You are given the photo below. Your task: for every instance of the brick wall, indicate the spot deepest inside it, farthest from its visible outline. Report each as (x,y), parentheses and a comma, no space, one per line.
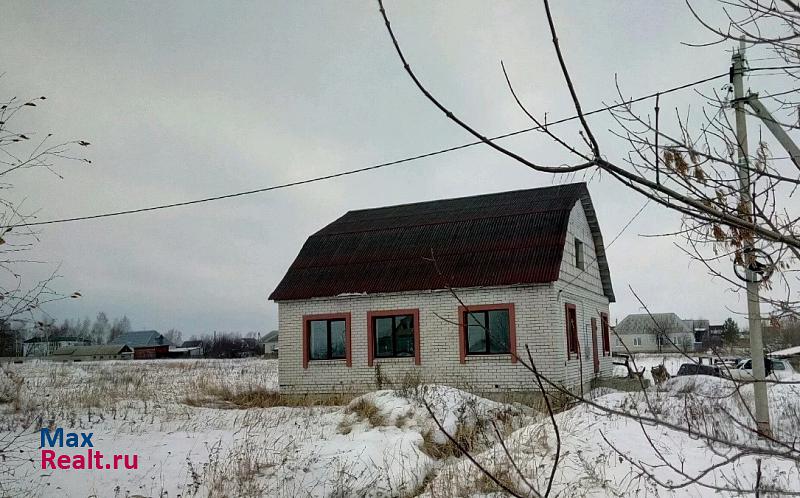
(539,319)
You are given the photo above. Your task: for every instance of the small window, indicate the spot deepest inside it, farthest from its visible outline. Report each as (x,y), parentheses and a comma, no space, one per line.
(778,365)
(487,332)
(605,333)
(579,254)
(394,336)
(637,341)
(572,330)
(326,339)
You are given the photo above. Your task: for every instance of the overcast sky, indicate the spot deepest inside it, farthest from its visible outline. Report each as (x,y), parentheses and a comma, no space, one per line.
(190,99)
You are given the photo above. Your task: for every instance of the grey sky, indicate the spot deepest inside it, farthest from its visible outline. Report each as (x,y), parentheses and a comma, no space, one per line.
(189,99)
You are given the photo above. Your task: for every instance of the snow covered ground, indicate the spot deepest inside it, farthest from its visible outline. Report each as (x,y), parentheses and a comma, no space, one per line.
(672,361)
(181,419)
(215,428)
(606,452)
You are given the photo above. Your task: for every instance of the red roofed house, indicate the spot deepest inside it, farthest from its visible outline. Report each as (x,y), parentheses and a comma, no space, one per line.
(450,291)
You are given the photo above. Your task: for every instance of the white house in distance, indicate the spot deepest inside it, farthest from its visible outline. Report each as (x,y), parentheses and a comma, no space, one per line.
(450,291)
(45,346)
(653,333)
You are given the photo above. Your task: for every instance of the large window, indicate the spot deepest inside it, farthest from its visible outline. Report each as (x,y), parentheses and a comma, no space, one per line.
(327,339)
(487,331)
(572,331)
(393,336)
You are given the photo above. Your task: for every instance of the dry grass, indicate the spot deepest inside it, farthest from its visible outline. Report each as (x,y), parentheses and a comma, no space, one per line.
(223,396)
(467,437)
(366,410)
(10,389)
(484,484)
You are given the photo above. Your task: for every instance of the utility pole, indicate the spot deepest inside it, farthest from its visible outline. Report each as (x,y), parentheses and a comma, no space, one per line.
(753,300)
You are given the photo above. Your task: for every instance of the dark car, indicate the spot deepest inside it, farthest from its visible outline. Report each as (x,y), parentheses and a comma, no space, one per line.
(695,369)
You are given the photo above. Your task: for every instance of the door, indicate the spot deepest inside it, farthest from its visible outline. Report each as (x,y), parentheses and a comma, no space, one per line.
(595,354)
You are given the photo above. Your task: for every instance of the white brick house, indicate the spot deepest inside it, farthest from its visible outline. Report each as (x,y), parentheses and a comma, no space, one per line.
(653,333)
(450,291)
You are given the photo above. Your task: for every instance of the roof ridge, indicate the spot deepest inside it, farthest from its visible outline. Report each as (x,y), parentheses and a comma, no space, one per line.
(479,196)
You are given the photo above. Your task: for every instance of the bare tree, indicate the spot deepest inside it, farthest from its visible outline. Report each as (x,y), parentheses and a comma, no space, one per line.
(173,336)
(22,150)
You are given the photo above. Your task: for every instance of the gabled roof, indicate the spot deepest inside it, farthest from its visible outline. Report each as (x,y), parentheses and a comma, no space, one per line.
(192,344)
(55,338)
(270,336)
(141,338)
(107,349)
(643,323)
(497,239)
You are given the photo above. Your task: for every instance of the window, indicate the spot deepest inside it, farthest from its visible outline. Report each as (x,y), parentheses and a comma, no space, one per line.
(637,341)
(606,334)
(393,334)
(488,332)
(579,254)
(572,330)
(487,329)
(326,337)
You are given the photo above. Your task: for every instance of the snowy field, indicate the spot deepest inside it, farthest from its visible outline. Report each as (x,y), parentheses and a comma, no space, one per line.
(216,428)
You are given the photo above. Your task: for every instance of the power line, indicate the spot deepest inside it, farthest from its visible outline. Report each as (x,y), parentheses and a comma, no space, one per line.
(367,168)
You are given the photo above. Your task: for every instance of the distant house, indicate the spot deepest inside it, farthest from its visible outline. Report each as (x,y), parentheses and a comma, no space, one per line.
(45,346)
(195,347)
(451,291)
(92,353)
(270,344)
(653,333)
(146,344)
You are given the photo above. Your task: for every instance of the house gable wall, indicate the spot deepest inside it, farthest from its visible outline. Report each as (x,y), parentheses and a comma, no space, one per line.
(584,289)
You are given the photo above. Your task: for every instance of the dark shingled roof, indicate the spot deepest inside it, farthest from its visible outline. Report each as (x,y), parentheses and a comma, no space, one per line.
(55,338)
(140,339)
(487,240)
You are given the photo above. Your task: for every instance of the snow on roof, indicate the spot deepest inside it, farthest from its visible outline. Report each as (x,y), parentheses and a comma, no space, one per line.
(787,352)
(100,349)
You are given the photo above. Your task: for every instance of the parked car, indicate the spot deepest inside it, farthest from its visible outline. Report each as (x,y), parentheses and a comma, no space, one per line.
(696,369)
(779,369)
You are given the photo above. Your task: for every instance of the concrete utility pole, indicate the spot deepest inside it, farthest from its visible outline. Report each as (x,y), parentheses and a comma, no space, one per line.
(753,301)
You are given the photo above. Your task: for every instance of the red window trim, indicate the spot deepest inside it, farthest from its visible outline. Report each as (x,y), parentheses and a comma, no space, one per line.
(370,335)
(606,333)
(567,308)
(328,316)
(512,327)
